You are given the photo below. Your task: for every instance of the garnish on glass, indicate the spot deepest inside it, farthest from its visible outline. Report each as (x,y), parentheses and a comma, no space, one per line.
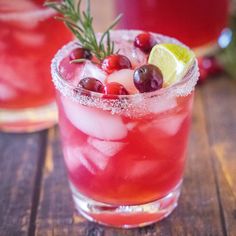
(81,25)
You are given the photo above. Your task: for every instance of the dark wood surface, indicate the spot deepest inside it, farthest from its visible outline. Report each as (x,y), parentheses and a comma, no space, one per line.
(35,198)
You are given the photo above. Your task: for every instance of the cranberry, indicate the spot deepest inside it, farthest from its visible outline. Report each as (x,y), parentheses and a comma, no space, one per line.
(80,53)
(115,62)
(115,88)
(208,66)
(148,78)
(92,84)
(145,42)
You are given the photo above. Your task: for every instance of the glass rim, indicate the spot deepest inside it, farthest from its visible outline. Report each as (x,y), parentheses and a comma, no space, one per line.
(183,87)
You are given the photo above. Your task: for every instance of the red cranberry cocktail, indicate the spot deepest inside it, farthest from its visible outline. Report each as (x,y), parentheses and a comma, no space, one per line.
(124,130)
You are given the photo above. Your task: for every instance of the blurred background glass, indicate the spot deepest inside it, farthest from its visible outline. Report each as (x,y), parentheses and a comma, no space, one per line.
(29,38)
(197,23)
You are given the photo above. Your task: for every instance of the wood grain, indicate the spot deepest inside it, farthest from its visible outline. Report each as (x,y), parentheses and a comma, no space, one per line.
(220,109)
(55,207)
(20,159)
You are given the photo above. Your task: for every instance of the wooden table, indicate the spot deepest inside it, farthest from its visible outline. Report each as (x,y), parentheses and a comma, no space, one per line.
(35,198)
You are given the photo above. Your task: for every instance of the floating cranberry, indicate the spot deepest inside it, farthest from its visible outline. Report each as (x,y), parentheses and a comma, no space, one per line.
(145,42)
(148,78)
(115,62)
(92,84)
(115,88)
(80,53)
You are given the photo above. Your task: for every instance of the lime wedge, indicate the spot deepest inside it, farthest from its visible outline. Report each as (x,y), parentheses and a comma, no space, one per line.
(173,60)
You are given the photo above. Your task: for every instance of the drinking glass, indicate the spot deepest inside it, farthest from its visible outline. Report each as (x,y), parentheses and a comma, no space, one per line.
(29,37)
(125,156)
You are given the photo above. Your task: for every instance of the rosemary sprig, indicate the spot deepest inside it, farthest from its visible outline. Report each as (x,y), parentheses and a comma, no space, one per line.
(81,25)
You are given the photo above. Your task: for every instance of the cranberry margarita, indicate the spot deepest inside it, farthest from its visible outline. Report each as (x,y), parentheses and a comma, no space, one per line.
(124,133)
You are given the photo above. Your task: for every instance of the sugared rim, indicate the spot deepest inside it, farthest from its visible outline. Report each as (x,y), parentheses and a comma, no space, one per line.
(182,88)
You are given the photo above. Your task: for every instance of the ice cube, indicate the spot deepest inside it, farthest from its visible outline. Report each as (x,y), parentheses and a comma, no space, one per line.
(138,169)
(7,92)
(131,125)
(97,160)
(31,20)
(94,122)
(108,148)
(16,6)
(124,77)
(19,74)
(26,15)
(135,55)
(92,70)
(167,125)
(170,125)
(29,38)
(161,104)
(74,158)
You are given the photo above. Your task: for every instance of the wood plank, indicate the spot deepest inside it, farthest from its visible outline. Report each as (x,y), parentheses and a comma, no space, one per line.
(56,206)
(20,158)
(197,214)
(220,108)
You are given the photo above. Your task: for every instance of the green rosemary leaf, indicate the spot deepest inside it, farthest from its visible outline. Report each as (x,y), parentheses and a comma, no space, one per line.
(71,4)
(110,27)
(108,43)
(88,10)
(81,25)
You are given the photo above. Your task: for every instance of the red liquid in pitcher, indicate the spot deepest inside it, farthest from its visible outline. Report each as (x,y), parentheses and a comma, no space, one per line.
(29,37)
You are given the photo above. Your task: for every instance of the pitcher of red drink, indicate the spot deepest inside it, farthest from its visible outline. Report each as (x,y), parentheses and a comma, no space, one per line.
(29,36)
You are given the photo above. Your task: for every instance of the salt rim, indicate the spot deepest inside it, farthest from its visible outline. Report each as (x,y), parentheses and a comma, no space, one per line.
(130,105)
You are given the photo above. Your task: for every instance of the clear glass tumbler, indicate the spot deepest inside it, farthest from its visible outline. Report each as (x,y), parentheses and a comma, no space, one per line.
(125,156)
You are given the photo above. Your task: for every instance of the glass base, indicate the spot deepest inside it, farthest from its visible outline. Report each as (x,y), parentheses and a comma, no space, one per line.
(28,120)
(126,216)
